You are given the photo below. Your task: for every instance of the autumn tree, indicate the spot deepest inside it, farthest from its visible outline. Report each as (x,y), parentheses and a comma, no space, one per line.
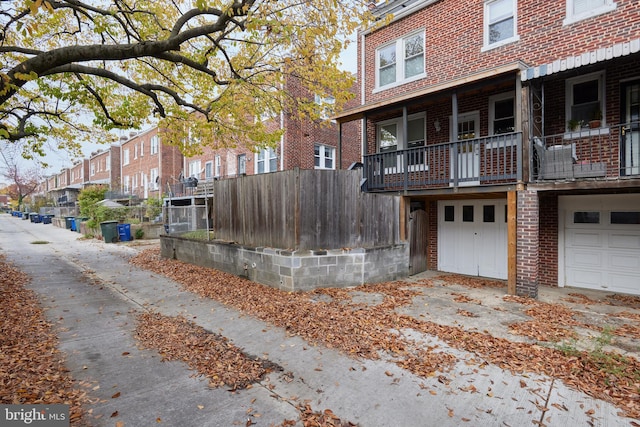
(205,70)
(23,181)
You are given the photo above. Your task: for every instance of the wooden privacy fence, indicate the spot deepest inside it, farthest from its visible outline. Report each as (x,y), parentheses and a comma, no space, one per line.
(304,210)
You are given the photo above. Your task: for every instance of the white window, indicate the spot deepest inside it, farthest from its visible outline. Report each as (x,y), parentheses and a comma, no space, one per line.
(324,156)
(154,179)
(327,104)
(500,23)
(502,114)
(208,171)
(92,170)
(107,163)
(401,61)
(155,141)
(194,169)
(578,10)
(135,151)
(584,100)
(126,183)
(142,149)
(390,138)
(266,161)
(242,164)
(218,170)
(125,156)
(134,181)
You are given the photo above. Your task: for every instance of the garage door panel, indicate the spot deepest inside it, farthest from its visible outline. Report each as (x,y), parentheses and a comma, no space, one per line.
(585,258)
(625,261)
(591,278)
(624,241)
(623,282)
(585,238)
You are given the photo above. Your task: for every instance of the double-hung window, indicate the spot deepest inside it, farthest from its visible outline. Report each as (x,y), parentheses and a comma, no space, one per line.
(502,114)
(500,23)
(125,156)
(218,170)
(400,61)
(578,10)
(267,161)
(324,156)
(585,100)
(208,171)
(155,140)
(390,134)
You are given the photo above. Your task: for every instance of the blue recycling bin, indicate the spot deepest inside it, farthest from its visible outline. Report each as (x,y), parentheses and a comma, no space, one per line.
(124,232)
(46,219)
(72,222)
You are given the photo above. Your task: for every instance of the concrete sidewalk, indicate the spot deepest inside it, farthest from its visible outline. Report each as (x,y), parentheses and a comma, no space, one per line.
(92,295)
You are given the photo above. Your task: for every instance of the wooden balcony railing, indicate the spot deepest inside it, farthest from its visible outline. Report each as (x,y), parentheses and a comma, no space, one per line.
(608,152)
(481,161)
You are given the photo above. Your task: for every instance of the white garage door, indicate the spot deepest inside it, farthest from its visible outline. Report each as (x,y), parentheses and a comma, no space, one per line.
(472,237)
(600,246)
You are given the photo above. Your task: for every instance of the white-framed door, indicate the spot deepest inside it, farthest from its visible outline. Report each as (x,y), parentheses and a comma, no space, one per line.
(465,156)
(472,237)
(599,242)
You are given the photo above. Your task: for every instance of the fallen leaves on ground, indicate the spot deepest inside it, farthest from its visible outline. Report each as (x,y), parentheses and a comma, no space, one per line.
(470,282)
(31,368)
(551,322)
(210,354)
(367,332)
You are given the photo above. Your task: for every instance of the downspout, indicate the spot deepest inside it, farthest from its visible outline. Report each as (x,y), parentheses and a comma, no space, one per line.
(362,70)
(282,140)
(454,137)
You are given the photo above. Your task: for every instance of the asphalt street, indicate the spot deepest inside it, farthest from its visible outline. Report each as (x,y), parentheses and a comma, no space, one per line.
(92,294)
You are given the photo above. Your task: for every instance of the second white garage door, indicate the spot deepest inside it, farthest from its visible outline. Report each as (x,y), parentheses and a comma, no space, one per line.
(472,237)
(600,246)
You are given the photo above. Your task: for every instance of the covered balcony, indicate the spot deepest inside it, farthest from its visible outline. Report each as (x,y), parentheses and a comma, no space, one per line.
(609,153)
(470,162)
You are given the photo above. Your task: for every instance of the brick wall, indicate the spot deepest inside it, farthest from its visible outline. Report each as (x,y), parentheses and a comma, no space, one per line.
(528,231)
(454,39)
(548,274)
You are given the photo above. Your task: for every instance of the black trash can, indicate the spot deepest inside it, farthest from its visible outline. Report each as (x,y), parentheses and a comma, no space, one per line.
(109,231)
(46,219)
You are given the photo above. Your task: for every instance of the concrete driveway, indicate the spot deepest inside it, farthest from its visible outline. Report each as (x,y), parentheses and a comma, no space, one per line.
(92,294)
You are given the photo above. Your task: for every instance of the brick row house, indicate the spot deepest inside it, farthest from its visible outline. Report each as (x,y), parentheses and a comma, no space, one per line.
(511,130)
(305,144)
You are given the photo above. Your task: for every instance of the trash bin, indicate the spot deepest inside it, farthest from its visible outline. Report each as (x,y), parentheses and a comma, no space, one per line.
(67,222)
(109,231)
(25,216)
(46,219)
(73,224)
(34,217)
(124,232)
(80,219)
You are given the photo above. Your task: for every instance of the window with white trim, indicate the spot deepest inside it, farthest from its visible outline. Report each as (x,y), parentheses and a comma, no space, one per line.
(502,114)
(142,149)
(400,61)
(577,10)
(500,23)
(107,163)
(125,156)
(155,142)
(218,170)
(390,138)
(194,169)
(208,171)
(242,164)
(266,161)
(324,156)
(154,179)
(126,183)
(135,151)
(584,99)
(327,103)
(92,170)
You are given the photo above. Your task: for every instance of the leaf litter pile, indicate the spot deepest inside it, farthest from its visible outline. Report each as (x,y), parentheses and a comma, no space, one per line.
(367,331)
(31,368)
